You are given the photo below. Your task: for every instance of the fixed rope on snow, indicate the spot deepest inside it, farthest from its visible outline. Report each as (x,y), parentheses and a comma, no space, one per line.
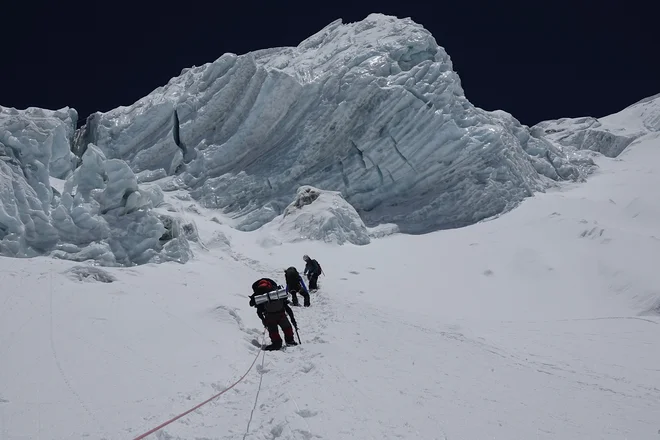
(256,398)
(173,419)
(278,294)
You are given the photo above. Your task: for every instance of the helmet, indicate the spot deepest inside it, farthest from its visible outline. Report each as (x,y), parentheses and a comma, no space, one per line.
(306,257)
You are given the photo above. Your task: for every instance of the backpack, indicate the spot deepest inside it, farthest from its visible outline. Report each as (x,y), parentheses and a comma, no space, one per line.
(263,285)
(318,267)
(292,276)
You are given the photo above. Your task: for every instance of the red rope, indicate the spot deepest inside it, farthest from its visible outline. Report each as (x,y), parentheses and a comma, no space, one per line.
(162,425)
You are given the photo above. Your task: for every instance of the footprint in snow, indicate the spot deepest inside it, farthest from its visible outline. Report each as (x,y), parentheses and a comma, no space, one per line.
(306,413)
(307,368)
(306,435)
(354,272)
(277,430)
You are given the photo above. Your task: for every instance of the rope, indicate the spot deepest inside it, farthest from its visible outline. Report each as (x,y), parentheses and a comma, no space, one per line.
(162,425)
(261,378)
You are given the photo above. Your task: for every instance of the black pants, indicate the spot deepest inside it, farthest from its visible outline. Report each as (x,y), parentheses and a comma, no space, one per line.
(294,297)
(313,279)
(272,321)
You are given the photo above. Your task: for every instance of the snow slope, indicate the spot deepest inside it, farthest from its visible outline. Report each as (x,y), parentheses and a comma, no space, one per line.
(609,135)
(542,323)
(372,109)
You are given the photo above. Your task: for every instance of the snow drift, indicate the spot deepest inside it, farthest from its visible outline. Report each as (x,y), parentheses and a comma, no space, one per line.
(319,215)
(371,109)
(609,135)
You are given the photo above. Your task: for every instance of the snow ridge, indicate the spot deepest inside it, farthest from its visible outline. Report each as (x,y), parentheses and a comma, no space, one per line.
(609,135)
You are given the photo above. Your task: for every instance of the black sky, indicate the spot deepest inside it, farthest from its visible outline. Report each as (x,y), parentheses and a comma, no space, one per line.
(536,60)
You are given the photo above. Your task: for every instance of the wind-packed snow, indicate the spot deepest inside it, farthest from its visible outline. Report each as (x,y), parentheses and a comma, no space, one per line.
(609,135)
(643,116)
(52,202)
(540,324)
(372,109)
(317,215)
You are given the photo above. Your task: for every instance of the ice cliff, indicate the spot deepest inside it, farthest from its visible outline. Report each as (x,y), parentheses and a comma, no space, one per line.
(100,214)
(371,109)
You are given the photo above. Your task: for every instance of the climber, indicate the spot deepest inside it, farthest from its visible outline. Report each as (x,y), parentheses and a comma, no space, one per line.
(272,307)
(295,285)
(313,271)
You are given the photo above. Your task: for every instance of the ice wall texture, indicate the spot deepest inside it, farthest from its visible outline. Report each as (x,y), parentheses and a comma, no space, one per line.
(372,109)
(101,213)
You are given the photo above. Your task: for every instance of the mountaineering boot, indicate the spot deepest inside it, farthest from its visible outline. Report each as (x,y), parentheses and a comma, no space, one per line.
(307,301)
(288,336)
(273,346)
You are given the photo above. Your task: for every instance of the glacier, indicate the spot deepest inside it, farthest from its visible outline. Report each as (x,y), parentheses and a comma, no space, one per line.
(371,109)
(369,114)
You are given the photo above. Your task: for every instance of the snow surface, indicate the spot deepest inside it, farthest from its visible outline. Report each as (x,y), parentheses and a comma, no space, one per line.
(609,135)
(539,324)
(317,215)
(372,109)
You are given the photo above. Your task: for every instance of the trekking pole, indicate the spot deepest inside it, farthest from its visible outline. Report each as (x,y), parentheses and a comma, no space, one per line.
(298,335)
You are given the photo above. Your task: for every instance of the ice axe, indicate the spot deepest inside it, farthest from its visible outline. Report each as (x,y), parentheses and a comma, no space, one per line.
(295,326)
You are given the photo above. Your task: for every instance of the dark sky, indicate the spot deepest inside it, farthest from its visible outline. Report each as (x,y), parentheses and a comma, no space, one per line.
(536,60)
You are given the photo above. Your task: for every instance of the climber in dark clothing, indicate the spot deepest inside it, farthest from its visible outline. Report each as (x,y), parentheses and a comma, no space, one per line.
(313,271)
(272,307)
(295,285)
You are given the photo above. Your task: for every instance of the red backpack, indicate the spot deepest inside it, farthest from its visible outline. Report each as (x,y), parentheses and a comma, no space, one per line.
(263,285)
